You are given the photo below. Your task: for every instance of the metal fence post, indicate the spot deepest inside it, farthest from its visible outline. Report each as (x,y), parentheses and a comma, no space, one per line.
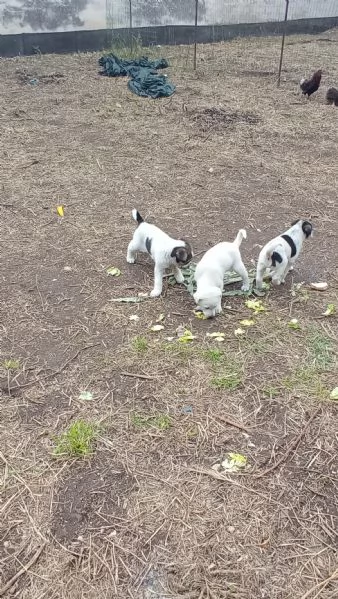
(283,42)
(131,26)
(196,24)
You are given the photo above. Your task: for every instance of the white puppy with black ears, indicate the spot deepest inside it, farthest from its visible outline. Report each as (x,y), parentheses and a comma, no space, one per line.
(210,271)
(164,250)
(279,254)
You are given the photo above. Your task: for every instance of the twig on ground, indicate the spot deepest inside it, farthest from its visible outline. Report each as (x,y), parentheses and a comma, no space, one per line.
(233,423)
(56,372)
(291,447)
(23,570)
(320,585)
(221,477)
(136,375)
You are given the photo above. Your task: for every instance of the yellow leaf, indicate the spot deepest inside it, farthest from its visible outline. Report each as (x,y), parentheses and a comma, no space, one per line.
(215,335)
(334,393)
(247,323)
(200,315)
(239,332)
(157,327)
(233,462)
(255,305)
(59,210)
(239,459)
(186,336)
(113,271)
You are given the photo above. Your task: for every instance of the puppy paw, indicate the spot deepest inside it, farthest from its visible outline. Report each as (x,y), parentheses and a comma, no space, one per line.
(276,281)
(179,278)
(155,293)
(130,260)
(245,287)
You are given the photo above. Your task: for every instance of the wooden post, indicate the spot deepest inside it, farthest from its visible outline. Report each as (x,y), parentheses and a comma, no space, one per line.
(283,42)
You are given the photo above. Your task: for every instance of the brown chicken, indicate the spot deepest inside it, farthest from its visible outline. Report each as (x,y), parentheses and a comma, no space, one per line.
(310,86)
(332,96)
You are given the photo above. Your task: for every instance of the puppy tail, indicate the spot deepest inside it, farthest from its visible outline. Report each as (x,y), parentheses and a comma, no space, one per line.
(137,216)
(240,236)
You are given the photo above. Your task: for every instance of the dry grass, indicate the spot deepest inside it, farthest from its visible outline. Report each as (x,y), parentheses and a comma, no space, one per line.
(145,515)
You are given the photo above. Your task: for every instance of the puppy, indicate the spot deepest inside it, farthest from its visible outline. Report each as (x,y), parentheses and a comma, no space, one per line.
(210,271)
(165,251)
(281,252)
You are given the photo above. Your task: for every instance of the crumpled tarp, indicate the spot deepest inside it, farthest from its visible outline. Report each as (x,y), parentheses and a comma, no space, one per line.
(144,79)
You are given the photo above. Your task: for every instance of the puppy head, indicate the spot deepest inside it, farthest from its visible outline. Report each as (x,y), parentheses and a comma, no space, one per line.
(208,301)
(182,254)
(306,227)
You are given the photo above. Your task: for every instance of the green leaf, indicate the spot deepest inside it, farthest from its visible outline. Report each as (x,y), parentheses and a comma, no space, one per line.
(86,396)
(331,309)
(294,324)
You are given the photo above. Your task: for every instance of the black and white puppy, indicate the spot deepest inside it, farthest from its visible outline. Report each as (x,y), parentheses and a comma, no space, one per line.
(279,254)
(164,250)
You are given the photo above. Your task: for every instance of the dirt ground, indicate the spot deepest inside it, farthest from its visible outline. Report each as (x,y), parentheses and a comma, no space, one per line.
(145,514)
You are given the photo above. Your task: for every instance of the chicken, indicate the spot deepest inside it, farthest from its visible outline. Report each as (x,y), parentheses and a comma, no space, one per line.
(310,86)
(332,96)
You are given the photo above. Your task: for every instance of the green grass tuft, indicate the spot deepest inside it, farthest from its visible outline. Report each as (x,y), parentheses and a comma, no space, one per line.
(140,344)
(306,381)
(77,441)
(159,421)
(131,48)
(11,364)
(321,349)
(270,391)
(229,381)
(214,356)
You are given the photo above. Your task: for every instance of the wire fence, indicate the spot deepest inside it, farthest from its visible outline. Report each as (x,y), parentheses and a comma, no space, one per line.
(189,23)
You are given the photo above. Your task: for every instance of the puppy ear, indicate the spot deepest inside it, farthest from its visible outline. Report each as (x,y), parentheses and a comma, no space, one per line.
(181,254)
(307,228)
(188,248)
